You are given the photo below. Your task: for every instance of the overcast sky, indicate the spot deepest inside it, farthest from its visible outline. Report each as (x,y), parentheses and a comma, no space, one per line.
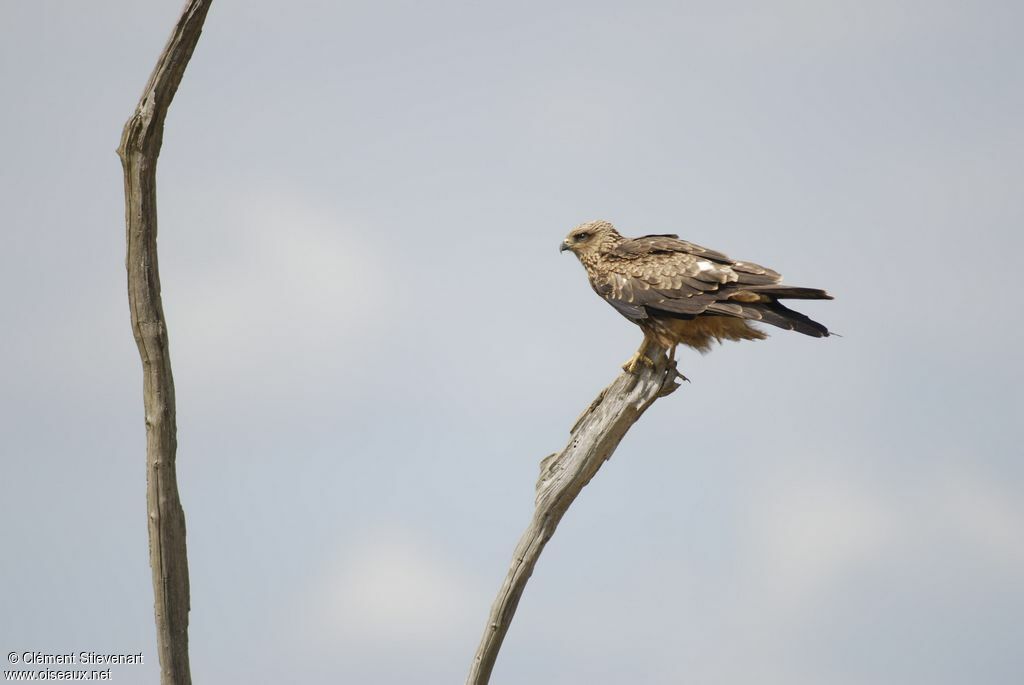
(375,339)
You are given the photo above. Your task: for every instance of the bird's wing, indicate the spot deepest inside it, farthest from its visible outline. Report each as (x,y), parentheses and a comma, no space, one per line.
(664,273)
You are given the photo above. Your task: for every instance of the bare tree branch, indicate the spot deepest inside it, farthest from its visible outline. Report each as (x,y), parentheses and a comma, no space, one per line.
(593,438)
(139,149)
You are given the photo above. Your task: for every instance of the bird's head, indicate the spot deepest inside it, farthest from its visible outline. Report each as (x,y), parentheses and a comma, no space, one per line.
(590,238)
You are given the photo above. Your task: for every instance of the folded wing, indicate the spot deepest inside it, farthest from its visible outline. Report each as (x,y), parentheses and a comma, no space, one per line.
(661,275)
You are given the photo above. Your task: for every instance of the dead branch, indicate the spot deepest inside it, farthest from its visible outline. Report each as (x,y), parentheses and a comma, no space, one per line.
(593,438)
(139,149)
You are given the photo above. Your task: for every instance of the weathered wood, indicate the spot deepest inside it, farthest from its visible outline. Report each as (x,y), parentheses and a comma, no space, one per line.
(139,149)
(593,438)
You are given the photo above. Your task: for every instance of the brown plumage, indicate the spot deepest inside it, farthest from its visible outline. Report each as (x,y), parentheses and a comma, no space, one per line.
(681,293)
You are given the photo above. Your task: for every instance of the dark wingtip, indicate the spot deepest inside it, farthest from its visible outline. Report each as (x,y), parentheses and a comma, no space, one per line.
(782,316)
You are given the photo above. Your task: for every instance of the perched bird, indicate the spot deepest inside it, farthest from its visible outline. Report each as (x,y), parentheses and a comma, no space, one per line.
(681,293)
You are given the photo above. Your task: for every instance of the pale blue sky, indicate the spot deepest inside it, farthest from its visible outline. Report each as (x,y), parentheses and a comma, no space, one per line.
(375,339)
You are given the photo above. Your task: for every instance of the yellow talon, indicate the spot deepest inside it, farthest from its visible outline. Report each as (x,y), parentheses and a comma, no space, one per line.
(636,362)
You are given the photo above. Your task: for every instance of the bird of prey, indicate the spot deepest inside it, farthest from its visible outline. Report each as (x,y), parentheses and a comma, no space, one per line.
(681,293)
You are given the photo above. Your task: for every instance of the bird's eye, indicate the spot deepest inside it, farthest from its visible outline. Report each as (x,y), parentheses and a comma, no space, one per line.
(581,236)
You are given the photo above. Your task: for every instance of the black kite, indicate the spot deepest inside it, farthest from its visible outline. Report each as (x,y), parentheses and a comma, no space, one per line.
(681,293)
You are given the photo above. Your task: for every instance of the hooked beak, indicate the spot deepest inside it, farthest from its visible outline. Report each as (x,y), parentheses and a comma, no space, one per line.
(563,247)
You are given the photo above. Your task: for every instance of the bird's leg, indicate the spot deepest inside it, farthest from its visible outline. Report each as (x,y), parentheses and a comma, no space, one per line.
(640,358)
(672,364)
